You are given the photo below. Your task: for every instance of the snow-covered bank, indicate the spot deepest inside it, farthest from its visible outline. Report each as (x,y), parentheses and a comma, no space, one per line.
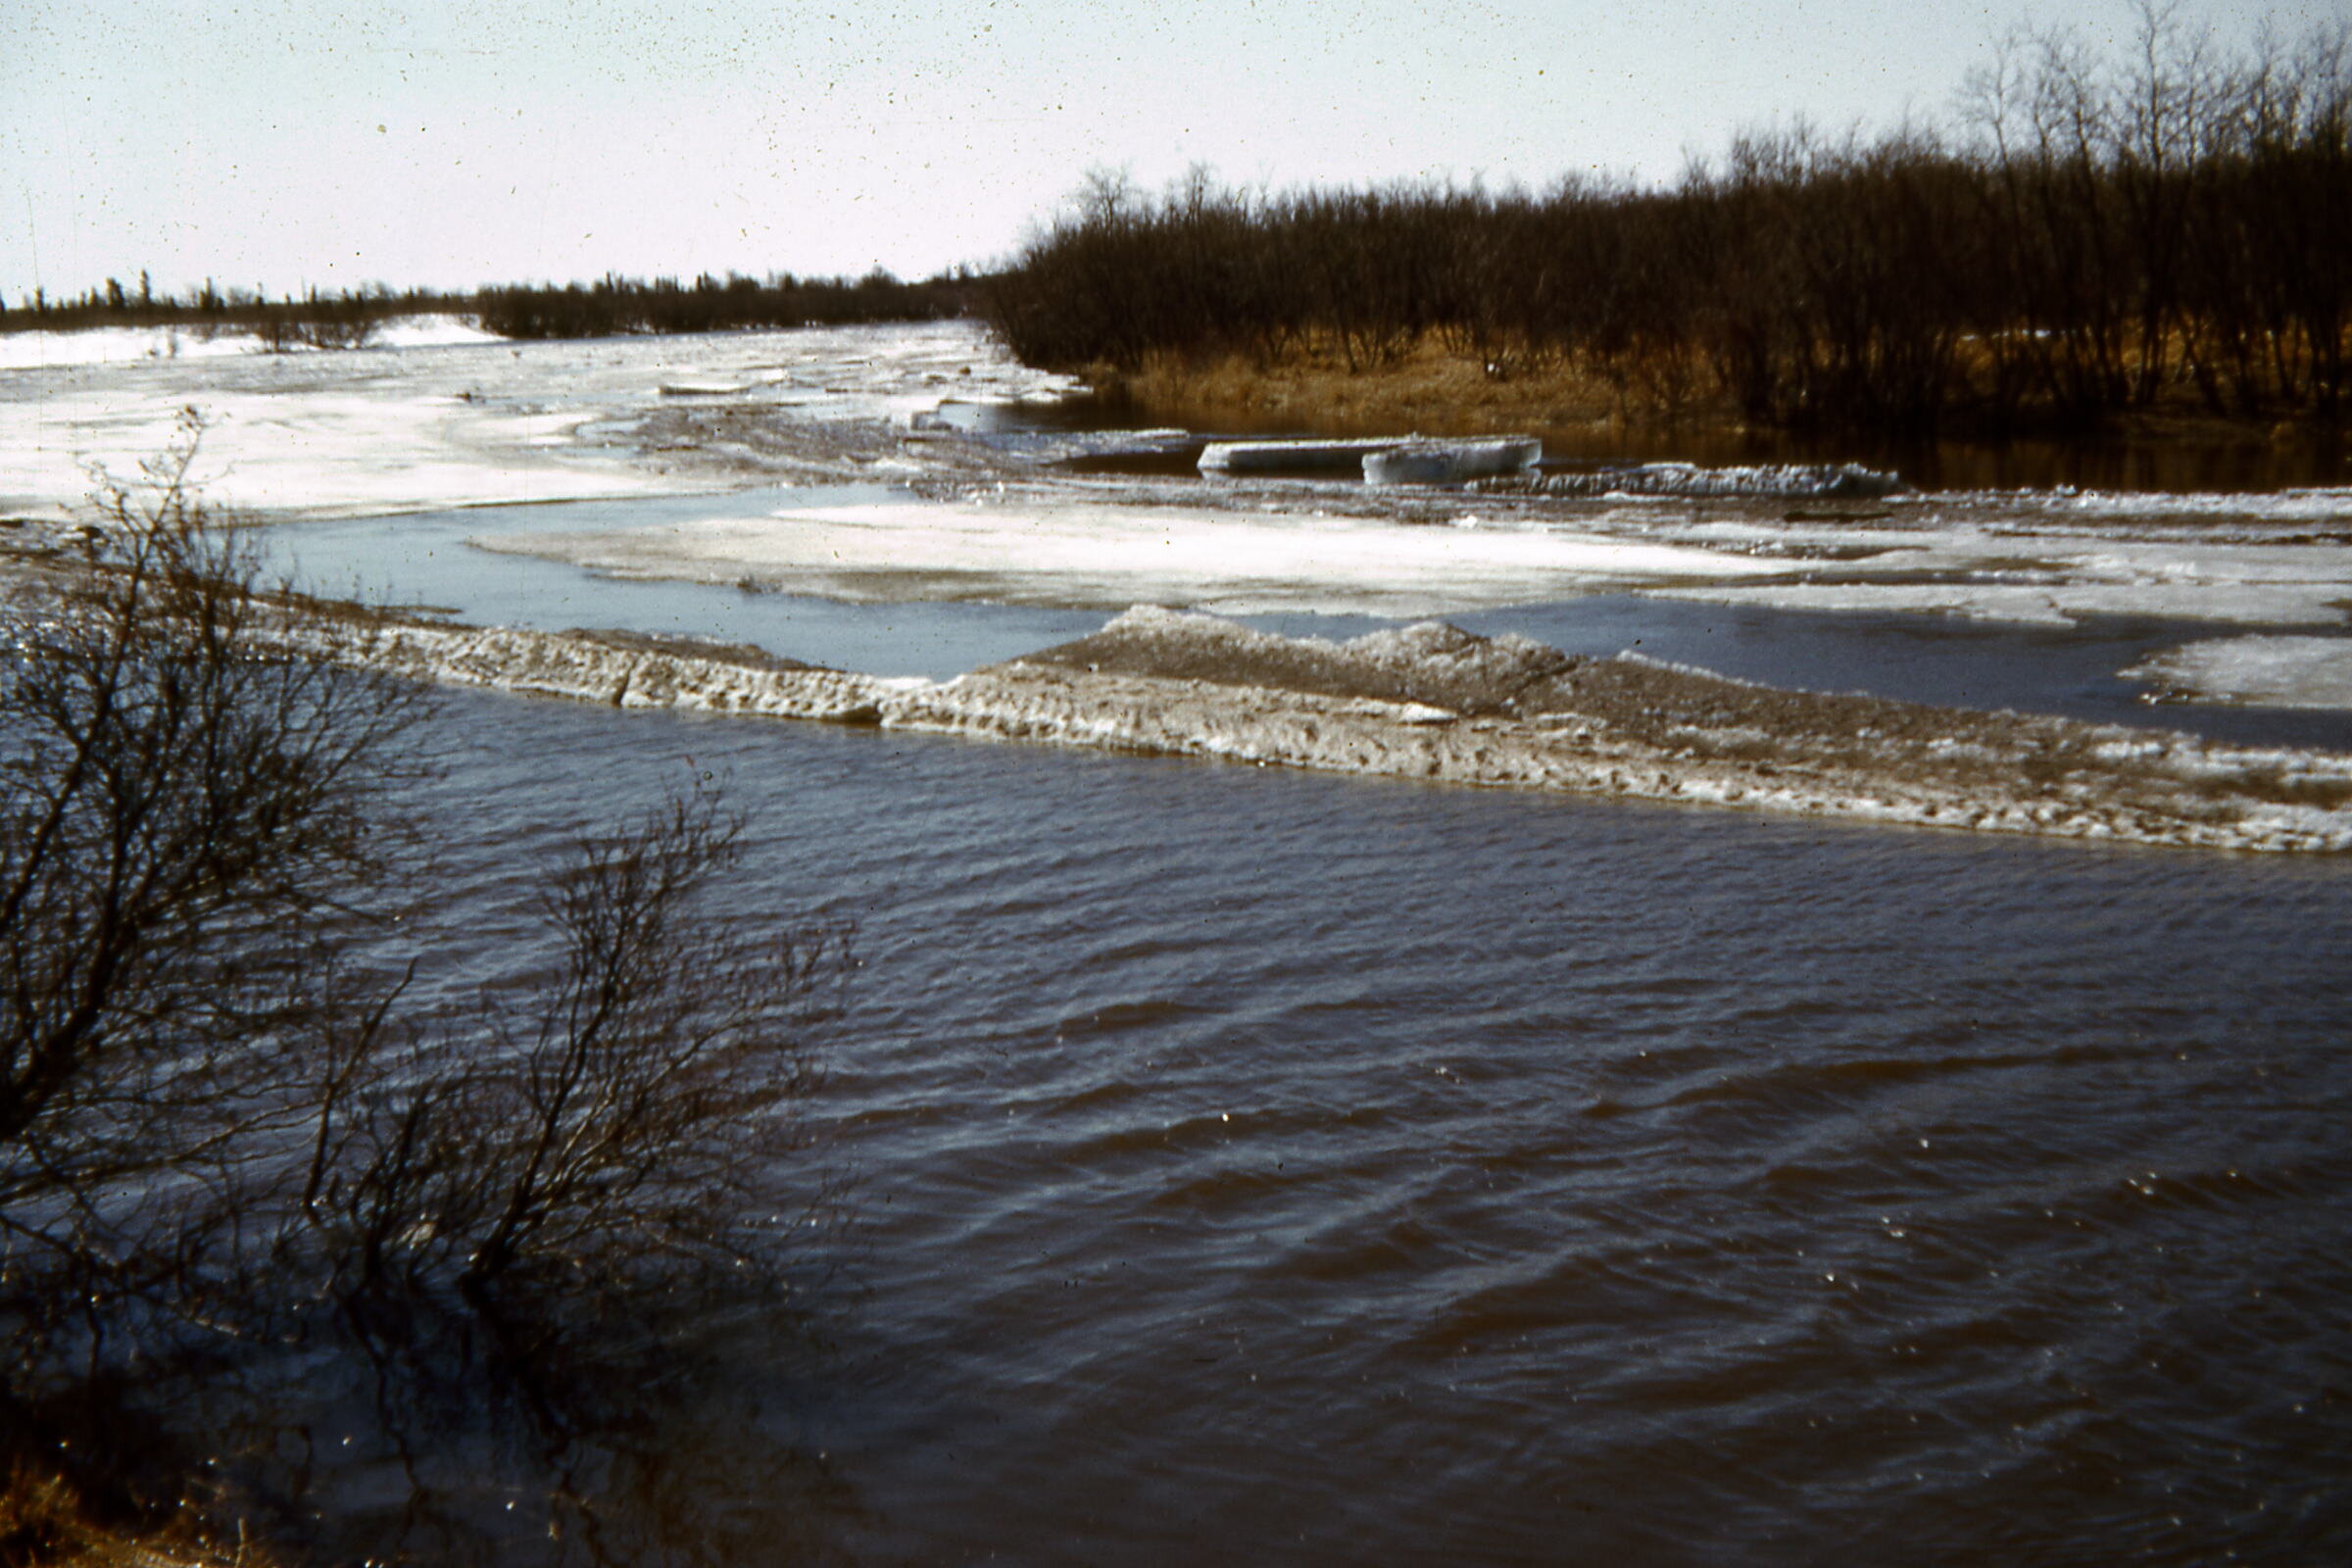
(1433,703)
(439,415)
(132,345)
(114,345)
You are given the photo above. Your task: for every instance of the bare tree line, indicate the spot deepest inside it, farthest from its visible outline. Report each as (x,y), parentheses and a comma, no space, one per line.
(312,319)
(2092,236)
(711,304)
(609,307)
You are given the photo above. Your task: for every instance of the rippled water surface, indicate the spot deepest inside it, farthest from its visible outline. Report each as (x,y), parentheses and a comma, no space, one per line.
(1265,1167)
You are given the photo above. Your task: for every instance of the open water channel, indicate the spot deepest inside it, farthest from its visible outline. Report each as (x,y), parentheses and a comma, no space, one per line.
(1260,1167)
(1249,1165)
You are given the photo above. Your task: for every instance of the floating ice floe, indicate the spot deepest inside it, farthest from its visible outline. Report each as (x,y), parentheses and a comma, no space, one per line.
(1302,456)
(2261,671)
(2054,580)
(1379,459)
(705,389)
(1451,461)
(1068,554)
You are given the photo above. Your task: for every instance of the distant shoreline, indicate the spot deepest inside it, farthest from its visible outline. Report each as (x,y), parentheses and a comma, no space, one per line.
(612,306)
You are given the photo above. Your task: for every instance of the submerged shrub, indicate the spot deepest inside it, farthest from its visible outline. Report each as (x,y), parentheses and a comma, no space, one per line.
(243,1174)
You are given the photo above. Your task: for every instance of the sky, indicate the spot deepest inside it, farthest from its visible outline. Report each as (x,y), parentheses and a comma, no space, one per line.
(290,144)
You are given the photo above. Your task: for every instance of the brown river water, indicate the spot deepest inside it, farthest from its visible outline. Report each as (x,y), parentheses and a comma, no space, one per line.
(1245,1165)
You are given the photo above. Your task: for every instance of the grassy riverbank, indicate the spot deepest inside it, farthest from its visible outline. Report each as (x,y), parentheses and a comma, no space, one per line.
(1435,390)
(1428,388)
(48,1520)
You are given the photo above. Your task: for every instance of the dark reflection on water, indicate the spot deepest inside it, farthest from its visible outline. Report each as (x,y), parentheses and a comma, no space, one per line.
(424,1443)
(1257,1166)
(2252,460)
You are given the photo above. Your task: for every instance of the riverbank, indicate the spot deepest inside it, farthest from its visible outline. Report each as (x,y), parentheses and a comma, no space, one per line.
(820,478)
(1642,408)
(1219,1091)
(46,1518)
(1429,390)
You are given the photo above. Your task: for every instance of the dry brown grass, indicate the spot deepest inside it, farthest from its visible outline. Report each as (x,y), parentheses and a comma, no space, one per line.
(1430,388)
(46,1521)
(1434,389)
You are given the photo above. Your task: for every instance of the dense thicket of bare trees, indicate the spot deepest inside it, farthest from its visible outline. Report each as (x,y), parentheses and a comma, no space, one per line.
(712,304)
(2091,237)
(233,1144)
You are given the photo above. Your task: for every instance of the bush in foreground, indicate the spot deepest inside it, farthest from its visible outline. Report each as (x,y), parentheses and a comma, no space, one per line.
(239,1167)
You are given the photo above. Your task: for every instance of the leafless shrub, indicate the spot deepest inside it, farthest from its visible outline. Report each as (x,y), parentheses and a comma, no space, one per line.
(620,1119)
(230,1142)
(188,806)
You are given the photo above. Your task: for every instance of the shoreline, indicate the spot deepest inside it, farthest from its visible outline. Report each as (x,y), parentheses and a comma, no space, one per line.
(1432,391)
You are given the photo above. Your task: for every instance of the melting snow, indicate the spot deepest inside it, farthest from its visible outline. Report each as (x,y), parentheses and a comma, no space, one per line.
(442,416)
(1091,555)
(2268,671)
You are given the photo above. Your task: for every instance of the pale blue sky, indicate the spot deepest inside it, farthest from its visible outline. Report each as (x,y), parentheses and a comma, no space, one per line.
(288,143)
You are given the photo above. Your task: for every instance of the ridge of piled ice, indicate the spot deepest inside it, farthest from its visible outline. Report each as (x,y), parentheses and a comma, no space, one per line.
(1430,663)
(2303,504)
(619,673)
(1434,703)
(1795,481)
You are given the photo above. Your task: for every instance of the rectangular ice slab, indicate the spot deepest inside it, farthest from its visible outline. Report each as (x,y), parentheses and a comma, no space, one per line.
(1293,456)
(1450,462)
